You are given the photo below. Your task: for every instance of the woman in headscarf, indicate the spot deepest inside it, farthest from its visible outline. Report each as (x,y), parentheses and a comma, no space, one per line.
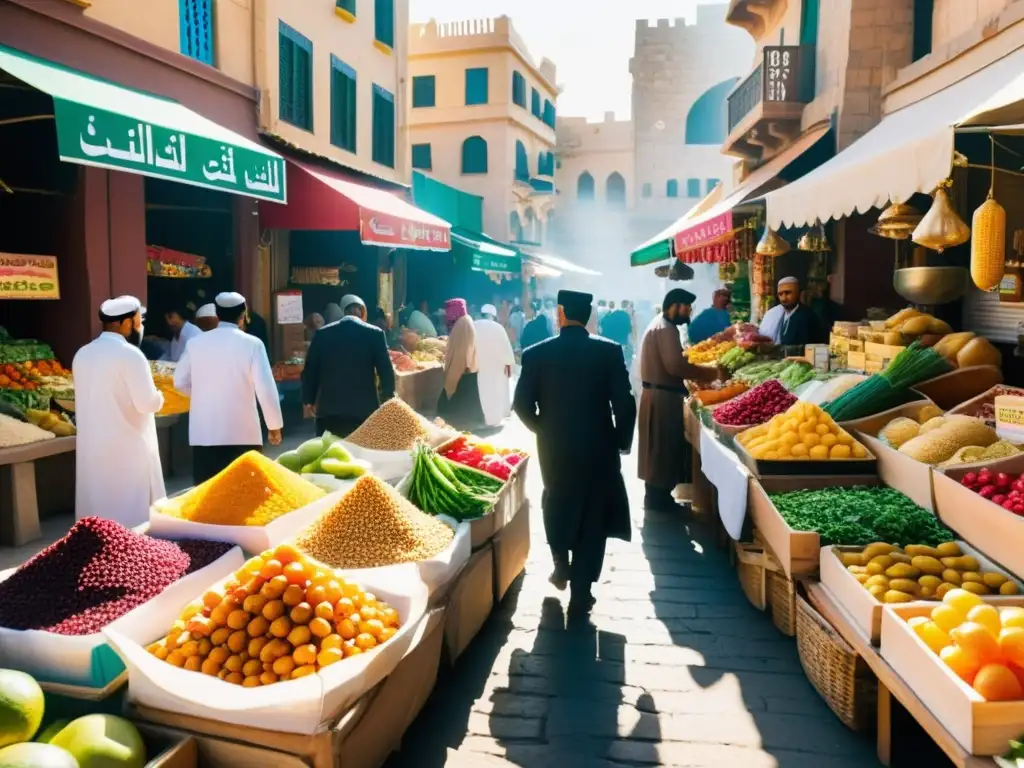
(459,403)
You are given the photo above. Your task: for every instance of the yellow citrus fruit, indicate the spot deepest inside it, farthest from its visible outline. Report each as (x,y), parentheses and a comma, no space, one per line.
(947,617)
(963,666)
(988,617)
(1011,644)
(976,641)
(932,636)
(1012,616)
(961,600)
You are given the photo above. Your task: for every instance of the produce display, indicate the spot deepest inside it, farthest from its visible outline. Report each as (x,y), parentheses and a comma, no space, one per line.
(392,427)
(57,423)
(911,322)
(756,406)
(982,644)
(792,373)
(30,374)
(984,407)
(715,392)
(888,389)
(470,452)
(922,572)
(804,431)
(736,358)
(708,351)
(430,351)
(252,490)
(860,515)
(281,617)
(175,403)
(372,525)
(402,362)
(14,433)
(901,429)
(998,487)
(942,438)
(96,573)
(324,455)
(289,370)
(440,486)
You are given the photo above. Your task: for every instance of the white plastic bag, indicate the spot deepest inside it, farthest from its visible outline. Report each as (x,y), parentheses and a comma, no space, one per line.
(303,706)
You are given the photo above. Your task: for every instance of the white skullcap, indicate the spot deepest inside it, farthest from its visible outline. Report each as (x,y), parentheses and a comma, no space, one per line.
(350,298)
(121,306)
(229,300)
(207,310)
(488,309)
(788,281)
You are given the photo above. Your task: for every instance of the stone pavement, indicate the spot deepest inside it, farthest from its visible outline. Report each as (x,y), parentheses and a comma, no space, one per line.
(675,668)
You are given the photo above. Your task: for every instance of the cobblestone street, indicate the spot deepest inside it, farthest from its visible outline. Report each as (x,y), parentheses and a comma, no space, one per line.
(675,668)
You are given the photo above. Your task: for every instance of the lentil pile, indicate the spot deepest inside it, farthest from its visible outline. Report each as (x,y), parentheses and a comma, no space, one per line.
(280,617)
(392,427)
(97,573)
(373,525)
(252,490)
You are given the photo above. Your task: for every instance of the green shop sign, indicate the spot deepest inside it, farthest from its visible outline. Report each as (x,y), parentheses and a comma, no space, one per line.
(485,262)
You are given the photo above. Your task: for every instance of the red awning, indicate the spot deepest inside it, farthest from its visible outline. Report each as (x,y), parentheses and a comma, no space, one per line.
(320,199)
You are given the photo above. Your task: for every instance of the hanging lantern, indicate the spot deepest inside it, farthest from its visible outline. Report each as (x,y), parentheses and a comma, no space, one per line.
(814,239)
(941,227)
(897,222)
(771,244)
(988,244)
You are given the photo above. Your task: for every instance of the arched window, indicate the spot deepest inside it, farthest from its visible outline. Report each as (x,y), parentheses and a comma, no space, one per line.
(522,162)
(585,186)
(615,189)
(515,227)
(474,155)
(672,188)
(545,164)
(693,187)
(645,190)
(707,121)
(529,226)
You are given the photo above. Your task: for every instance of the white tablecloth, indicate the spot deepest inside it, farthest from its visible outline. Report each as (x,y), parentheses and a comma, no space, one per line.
(723,469)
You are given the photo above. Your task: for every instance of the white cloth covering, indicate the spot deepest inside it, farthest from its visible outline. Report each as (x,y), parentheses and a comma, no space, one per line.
(120,306)
(177,346)
(207,310)
(226,371)
(229,299)
(117,460)
(493,353)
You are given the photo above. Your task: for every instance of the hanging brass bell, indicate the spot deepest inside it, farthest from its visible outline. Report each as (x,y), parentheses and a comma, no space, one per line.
(771,244)
(897,222)
(941,227)
(814,239)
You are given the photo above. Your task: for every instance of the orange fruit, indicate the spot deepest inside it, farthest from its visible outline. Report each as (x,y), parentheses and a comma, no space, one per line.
(1018,672)
(988,617)
(963,666)
(947,617)
(977,643)
(995,682)
(1011,644)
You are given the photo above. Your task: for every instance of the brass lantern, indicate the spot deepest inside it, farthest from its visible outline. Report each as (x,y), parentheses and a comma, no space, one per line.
(771,244)
(941,227)
(814,239)
(897,222)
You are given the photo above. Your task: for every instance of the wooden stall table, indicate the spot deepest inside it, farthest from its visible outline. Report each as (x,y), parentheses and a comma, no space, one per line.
(18,479)
(890,685)
(421,389)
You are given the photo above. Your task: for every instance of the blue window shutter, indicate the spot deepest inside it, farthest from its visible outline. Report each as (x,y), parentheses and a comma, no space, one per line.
(693,187)
(421,157)
(535,103)
(522,162)
(672,188)
(474,155)
(519,89)
(476,86)
(286,57)
(549,113)
(343,105)
(809,23)
(346,5)
(195,22)
(295,59)
(383,127)
(384,22)
(585,186)
(712,183)
(424,91)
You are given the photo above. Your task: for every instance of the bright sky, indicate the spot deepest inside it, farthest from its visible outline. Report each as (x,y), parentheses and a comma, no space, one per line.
(590,48)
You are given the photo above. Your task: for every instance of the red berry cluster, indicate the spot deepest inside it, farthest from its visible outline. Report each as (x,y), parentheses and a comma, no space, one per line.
(757,406)
(998,487)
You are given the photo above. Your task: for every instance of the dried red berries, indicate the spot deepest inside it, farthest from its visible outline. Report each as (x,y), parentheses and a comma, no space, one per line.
(97,573)
(756,406)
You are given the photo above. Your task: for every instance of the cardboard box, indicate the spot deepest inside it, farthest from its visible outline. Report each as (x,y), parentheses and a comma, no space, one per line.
(511,550)
(362,738)
(470,602)
(797,551)
(793,467)
(979,726)
(951,389)
(169,749)
(899,471)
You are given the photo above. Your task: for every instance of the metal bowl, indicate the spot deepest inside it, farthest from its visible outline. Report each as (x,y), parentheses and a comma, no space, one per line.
(930,285)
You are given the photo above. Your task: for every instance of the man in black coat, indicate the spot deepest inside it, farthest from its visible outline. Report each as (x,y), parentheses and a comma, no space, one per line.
(339,381)
(574,394)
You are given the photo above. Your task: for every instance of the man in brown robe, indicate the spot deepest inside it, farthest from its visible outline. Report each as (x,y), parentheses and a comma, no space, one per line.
(664,458)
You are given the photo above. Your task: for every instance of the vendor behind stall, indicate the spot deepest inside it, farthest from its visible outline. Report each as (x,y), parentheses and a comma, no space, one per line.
(789,322)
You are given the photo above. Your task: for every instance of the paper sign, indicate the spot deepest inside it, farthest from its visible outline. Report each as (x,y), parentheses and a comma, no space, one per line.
(289,308)
(1010,417)
(28,277)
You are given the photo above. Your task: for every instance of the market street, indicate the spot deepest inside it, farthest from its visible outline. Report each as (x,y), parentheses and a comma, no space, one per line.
(676,667)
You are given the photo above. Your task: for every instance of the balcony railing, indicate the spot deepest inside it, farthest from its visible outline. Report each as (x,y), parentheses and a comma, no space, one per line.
(784,76)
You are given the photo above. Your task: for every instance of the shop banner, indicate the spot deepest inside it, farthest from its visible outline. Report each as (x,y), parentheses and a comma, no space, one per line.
(704,233)
(395,232)
(92,136)
(28,277)
(486,262)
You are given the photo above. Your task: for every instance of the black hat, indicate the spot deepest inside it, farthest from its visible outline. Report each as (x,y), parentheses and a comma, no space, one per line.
(576,305)
(678,296)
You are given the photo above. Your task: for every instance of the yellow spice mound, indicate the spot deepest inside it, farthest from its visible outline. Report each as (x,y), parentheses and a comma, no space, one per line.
(252,490)
(392,427)
(372,526)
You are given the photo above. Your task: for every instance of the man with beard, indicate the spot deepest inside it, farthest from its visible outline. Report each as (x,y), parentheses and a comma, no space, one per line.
(574,395)
(118,473)
(789,322)
(665,455)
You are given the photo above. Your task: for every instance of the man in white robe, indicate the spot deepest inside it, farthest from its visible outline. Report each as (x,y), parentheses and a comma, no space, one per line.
(495,359)
(117,461)
(226,372)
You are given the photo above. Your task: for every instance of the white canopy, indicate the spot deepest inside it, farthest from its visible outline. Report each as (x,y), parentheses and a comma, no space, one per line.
(910,151)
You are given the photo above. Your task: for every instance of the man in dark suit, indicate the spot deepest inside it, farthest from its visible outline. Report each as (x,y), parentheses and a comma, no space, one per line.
(339,382)
(574,394)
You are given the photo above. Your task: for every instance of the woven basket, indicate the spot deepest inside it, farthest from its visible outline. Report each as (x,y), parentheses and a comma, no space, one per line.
(835,670)
(782,598)
(753,562)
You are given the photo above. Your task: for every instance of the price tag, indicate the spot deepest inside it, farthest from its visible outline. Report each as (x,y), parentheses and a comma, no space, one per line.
(289,308)
(1010,417)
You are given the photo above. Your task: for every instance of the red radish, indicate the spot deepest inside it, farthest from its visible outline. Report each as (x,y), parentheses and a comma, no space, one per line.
(1000,499)
(1018,509)
(988,491)
(985,476)
(1003,480)
(1008,504)
(971,478)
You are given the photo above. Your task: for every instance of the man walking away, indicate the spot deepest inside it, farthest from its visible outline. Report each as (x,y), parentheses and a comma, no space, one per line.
(537,329)
(181,331)
(206,317)
(618,326)
(226,371)
(665,455)
(495,359)
(573,392)
(344,361)
(118,474)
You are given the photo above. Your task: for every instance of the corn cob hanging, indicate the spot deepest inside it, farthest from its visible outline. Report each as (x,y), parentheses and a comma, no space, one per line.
(988,241)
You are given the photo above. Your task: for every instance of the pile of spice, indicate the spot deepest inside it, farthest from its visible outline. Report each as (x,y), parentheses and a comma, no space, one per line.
(392,427)
(14,433)
(756,406)
(372,526)
(252,490)
(94,575)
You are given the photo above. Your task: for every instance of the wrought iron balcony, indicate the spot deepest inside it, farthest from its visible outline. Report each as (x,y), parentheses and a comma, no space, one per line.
(764,110)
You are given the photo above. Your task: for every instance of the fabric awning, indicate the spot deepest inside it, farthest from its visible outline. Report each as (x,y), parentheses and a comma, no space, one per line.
(910,151)
(659,247)
(558,264)
(323,199)
(488,255)
(110,126)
